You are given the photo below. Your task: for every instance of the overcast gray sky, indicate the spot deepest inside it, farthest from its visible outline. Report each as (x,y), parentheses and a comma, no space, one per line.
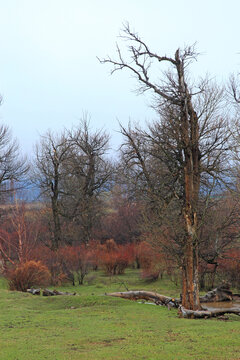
(49,74)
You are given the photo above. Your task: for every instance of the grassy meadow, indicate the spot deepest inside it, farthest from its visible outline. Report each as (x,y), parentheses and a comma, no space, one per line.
(92,326)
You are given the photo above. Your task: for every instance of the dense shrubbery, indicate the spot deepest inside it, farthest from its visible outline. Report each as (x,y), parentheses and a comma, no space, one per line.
(26,251)
(72,263)
(115,258)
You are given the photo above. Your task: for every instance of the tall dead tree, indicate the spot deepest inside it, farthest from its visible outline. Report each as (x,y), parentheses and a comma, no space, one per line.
(189,119)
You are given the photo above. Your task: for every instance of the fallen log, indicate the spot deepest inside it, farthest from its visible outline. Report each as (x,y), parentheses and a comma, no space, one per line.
(47,292)
(34,291)
(221,293)
(196,314)
(63,293)
(158,299)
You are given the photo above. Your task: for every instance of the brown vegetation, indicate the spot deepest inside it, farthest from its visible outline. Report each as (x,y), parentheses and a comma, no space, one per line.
(27,274)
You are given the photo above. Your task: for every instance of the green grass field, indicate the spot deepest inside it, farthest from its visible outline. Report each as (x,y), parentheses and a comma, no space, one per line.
(92,326)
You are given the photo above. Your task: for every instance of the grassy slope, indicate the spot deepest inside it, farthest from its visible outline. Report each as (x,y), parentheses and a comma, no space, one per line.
(92,326)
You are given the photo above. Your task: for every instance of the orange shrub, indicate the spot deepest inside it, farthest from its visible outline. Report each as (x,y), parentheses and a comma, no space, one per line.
(28,274)
(143,254)
(53,261)
(115,258)
(95,249)
(151,261)
(75,260)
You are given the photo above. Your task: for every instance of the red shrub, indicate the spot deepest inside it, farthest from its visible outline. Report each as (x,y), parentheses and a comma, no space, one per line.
(53,261)
(143,255)
(108,261)
(66,263)
(28,274)
(152,261)
(123,258)
(95,250)
(75,260)
(115,258)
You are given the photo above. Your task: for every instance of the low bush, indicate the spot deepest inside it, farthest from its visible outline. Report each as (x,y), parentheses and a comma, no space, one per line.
(28,274)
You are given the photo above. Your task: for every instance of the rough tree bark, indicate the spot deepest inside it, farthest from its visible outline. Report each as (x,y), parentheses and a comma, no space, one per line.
(189,132)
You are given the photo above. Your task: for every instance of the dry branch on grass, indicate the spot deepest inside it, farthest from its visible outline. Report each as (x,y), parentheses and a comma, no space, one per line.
(47,292)
(34,291)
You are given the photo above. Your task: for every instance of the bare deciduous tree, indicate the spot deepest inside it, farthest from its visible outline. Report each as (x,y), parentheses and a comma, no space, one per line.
(48,173)
(72,172)
(188,143)
(89,175)
(12,165)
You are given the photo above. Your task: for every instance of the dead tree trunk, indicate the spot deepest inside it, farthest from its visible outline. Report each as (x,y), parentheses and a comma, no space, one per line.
(192,314)
(158,299)
(189,133)
(47,292)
